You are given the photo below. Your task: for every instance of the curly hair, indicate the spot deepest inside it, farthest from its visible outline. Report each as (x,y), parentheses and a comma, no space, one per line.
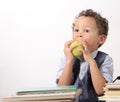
(101,22)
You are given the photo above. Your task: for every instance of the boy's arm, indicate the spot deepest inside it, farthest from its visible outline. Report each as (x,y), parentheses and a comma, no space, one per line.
(66,77)
(97,78)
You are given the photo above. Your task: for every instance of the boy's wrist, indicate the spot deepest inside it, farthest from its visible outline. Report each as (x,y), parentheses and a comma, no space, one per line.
(69,61)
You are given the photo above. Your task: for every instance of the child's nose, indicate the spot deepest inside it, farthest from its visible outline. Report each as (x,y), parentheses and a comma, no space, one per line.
(79,34)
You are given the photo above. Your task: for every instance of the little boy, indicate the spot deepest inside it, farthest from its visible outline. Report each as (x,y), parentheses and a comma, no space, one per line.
(94,68)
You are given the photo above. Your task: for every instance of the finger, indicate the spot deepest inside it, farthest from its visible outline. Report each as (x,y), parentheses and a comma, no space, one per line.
(85,45)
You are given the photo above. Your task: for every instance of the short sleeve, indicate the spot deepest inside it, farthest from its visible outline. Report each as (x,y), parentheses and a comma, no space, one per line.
(61,66)
(107,69)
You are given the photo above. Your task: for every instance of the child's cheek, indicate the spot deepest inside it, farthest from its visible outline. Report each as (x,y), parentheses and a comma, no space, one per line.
(74,37)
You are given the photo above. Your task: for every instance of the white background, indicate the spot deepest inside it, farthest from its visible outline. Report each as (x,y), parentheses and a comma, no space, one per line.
(32,36)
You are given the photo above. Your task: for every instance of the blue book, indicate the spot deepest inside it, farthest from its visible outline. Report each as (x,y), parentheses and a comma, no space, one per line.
(48,90)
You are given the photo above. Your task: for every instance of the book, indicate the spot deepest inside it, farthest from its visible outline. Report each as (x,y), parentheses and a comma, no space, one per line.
(42,97)
(112,92)
(48,94)
(112,86)
(109,97)
(16,100)
(47,90)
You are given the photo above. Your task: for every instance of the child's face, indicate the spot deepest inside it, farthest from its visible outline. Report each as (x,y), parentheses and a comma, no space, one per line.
(85,28)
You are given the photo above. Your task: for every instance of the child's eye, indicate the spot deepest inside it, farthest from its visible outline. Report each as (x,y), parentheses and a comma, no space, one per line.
(76,30)
(86,30)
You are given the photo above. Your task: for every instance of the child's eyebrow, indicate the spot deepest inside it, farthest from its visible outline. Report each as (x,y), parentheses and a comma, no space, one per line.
(73,24)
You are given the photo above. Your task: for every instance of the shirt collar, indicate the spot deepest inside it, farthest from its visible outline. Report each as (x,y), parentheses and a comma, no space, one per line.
(94,53)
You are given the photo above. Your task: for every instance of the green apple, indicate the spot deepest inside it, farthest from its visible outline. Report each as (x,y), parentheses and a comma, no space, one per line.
(75,50)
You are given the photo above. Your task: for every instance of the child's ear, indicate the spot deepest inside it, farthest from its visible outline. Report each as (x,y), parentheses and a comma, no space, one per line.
(102,39)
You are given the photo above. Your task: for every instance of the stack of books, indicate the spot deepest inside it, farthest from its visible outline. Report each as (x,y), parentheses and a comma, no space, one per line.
(112,90)
(46,94)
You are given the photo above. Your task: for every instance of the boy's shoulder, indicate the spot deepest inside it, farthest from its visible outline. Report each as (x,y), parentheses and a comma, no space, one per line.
(100,57)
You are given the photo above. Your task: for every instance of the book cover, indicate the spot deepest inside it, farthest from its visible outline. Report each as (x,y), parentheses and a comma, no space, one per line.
(47,90)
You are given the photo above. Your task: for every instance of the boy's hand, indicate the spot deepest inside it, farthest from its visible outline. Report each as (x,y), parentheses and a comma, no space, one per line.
(86,52)
(68,50)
